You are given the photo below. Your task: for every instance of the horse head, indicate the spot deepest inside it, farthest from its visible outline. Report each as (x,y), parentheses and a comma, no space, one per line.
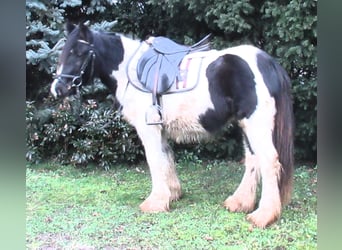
(76,62)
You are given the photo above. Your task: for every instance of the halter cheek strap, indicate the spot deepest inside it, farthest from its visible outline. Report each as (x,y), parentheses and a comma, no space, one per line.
(90,59)
(77,79)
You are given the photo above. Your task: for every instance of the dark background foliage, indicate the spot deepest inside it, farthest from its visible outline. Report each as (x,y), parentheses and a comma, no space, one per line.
(86,130)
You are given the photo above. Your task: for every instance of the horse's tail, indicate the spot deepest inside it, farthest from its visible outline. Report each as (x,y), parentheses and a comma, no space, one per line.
(283,133)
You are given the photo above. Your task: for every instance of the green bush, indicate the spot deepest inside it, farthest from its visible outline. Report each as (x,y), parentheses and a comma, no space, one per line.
(80,132)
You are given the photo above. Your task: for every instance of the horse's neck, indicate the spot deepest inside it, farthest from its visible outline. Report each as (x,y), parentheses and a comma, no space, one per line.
(130,46)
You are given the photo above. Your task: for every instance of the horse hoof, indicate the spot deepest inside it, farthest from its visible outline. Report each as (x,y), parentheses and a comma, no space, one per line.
(154,206)
(234,204)
(262,218)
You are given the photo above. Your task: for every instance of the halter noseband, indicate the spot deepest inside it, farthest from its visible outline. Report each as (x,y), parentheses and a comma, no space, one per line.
(77,79)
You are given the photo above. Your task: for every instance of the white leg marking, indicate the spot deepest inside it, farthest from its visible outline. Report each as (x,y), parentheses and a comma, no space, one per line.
(243,199)
(165,183)
(259,129)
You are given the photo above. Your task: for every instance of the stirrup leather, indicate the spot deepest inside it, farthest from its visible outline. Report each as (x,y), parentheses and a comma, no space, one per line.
(154,115)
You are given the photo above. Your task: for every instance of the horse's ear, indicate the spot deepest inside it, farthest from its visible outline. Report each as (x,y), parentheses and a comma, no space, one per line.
(69,27)
(85,33)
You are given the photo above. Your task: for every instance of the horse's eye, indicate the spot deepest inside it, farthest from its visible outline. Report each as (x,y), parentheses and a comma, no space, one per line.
(71,51)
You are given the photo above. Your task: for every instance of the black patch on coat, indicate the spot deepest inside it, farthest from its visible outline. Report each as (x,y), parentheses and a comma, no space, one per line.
(232,91)
(268,69)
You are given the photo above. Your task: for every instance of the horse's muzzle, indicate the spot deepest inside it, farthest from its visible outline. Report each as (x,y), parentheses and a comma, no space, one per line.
(60,89)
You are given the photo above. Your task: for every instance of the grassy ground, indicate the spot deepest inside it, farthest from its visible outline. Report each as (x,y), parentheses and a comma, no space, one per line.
(69,208)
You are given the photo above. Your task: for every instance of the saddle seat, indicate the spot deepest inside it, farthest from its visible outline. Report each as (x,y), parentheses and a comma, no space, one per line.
(167,46)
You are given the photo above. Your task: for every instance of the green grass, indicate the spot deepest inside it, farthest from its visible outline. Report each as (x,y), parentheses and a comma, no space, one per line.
(70,208)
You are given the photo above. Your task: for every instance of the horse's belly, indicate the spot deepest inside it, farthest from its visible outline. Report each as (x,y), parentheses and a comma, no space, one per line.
(183,130)
(182,112)
(182,122)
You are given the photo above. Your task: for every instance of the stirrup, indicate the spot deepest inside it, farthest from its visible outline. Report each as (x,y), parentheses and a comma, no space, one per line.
(151,115)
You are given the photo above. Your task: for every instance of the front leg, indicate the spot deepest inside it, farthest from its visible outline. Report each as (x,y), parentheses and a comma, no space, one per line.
(165,183)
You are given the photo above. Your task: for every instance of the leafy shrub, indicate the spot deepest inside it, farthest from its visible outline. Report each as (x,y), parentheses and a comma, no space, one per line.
(80,132)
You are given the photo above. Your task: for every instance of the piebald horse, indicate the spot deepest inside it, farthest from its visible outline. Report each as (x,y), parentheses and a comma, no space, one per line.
(242,83)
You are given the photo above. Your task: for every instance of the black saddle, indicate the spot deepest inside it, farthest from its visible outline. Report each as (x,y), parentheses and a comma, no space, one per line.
(157,69)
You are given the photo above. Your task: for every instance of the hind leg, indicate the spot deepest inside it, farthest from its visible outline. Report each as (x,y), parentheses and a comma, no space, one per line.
(269,209)
(259,130)
(243,199)
(165,183)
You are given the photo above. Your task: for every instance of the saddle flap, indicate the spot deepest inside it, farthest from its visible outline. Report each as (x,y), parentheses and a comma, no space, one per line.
(156,73)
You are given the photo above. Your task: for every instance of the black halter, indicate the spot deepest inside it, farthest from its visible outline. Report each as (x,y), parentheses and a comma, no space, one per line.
(77,80)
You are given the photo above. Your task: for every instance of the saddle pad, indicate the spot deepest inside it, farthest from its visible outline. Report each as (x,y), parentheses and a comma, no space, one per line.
(190,70)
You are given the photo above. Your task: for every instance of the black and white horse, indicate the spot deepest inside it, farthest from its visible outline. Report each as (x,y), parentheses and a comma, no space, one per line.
(242,83)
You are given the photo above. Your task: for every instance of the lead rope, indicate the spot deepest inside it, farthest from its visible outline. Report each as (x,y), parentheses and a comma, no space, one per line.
(91,58)
(247,143)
